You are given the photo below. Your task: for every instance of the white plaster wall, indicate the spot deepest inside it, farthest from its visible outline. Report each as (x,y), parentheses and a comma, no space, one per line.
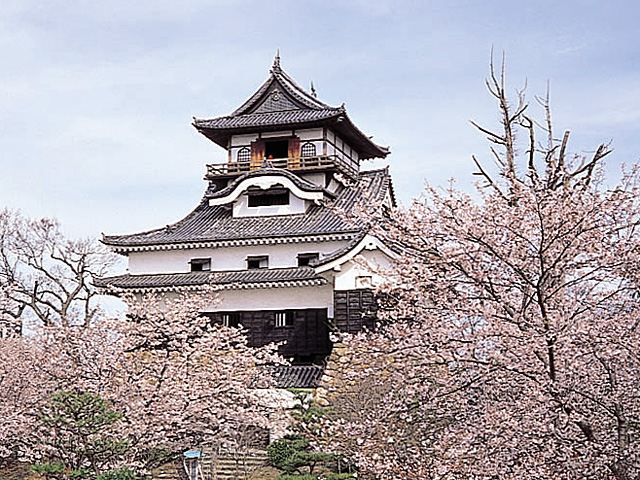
(165,261)
(266,299)
(337,146)
(275,299)
(243,140)
(309,134)
(315,178)
(283,133)
(225,258)
(345,279)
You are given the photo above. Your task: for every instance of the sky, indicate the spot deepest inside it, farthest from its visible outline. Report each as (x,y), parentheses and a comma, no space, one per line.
(97,98)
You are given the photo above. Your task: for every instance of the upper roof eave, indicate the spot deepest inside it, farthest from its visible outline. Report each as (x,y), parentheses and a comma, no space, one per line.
(220,129)
(305,110)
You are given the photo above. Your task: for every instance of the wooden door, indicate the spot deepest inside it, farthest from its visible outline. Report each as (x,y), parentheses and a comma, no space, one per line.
(294,153)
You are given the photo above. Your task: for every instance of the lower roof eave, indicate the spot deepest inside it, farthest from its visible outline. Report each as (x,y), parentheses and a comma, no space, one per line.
(117,291)
(198,281)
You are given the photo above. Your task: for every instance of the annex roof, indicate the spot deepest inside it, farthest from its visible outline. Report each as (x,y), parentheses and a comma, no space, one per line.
(279,103)
(234,279)
(212,224)
(296,376)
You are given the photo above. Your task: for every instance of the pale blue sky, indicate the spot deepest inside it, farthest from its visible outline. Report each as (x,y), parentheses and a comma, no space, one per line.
(96,98)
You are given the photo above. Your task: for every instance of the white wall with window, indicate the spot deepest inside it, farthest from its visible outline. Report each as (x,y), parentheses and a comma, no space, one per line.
(226,258)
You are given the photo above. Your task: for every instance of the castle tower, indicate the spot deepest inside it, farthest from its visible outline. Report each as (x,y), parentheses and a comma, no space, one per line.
(275,232)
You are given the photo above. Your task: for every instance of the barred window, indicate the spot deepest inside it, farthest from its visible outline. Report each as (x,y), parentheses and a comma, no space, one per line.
(305,259)
(200,264)
(231,319)
(257,261)
(284,319)
(265,198)
(308,150)
(244,154)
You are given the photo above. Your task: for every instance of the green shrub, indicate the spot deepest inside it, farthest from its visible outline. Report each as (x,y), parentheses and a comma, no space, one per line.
(120,474)
(284,452)
(287,476)
(50,470)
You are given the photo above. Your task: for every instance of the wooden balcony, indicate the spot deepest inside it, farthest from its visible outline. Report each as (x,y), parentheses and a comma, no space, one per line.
(310,164)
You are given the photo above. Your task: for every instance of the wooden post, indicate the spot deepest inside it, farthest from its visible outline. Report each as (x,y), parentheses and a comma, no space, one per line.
(257,155)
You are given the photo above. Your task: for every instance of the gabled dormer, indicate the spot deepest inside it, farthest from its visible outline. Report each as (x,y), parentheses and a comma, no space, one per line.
(289,127)
(269,191)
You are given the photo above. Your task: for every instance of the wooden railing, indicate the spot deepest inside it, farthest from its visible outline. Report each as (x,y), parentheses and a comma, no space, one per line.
(296,163)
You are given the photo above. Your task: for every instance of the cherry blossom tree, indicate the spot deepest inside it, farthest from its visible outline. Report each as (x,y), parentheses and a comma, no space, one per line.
(175,380)
(508,344)
(47,275)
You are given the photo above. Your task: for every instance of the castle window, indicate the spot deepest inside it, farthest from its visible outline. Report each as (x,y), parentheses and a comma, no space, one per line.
(257,261)
(231,319)
(305,259)
(200,264)
(308,150)
(284,319)
(265,198)
(244,154)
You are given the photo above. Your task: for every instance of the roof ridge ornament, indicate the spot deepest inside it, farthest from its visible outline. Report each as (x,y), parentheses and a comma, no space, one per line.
(275,68)
(313,90)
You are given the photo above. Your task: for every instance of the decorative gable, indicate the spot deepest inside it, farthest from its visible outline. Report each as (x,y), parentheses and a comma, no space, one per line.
(276,100)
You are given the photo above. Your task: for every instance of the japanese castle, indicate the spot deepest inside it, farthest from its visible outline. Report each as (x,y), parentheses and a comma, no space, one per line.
(276,232)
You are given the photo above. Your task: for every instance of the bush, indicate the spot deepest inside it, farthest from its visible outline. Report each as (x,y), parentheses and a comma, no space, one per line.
(120,474)
(297,477)
(284,453)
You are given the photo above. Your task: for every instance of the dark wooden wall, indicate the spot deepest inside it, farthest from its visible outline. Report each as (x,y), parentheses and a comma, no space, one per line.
(354,310)
(307,340)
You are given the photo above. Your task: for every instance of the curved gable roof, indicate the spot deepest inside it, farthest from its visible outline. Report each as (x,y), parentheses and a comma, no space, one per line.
(301,183)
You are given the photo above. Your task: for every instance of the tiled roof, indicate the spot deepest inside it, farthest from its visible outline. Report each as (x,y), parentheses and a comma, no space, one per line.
(296,376)
(255,278)
(341,251)
(216,223)
(287,117)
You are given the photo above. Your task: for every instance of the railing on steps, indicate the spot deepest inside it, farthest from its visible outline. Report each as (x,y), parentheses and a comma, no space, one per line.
(222,466)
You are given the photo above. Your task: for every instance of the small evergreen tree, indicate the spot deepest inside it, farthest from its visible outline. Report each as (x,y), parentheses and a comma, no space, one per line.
(81,440)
